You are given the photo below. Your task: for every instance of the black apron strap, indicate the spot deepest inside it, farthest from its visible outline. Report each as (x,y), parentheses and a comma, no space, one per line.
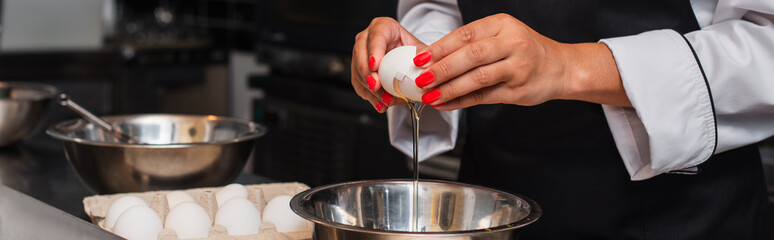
(573,21)
(562,154)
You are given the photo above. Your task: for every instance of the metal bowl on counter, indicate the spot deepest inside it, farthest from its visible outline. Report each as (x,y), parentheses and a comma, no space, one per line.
(176,151)
(383,209)
(22,107)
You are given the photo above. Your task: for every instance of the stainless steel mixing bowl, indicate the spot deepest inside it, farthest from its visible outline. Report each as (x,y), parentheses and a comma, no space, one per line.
(382,209)
(180,151)
(22,107)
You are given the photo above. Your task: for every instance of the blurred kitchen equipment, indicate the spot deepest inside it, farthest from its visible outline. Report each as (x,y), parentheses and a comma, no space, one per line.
(182,151)
(22,106)
(65,100)
(5,92)
(283,29)
(163,13)
(332,26)
(44,25)
(381,209)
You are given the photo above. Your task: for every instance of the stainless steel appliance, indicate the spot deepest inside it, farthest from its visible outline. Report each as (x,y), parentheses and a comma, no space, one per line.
(22,107)
(382,209)
(25,217)
(177,151)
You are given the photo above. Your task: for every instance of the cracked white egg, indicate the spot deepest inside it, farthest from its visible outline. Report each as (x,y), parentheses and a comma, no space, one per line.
(239,216)
(401,60)
(119,206)
(230,191)
(189,220)
(138,223)
(278,211)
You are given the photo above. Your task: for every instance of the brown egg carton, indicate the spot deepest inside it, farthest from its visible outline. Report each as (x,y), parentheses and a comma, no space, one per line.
(259,194)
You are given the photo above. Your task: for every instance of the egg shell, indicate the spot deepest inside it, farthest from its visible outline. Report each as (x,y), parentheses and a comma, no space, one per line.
(239,216)
(230,191)
(138,223)
(119,206)
(401,59)
(278,211)
(177,197)
(189,220)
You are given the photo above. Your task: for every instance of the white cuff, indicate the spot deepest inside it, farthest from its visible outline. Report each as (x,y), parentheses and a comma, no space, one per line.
(672,125)
(438,131)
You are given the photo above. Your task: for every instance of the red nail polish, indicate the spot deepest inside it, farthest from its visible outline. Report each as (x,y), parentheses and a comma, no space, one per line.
(371,62)
(386,97)
(379,106)
(422,59)
(438,105)
(424,79)
(431,96)
(371,82)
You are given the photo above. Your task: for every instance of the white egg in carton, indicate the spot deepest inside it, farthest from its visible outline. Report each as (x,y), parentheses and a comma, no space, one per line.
(161,202)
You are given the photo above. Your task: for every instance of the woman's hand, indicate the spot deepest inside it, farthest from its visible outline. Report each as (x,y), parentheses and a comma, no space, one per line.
(371,44)
(499,59)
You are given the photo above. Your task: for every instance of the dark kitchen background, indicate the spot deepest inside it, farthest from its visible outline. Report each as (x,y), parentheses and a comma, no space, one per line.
(281,63)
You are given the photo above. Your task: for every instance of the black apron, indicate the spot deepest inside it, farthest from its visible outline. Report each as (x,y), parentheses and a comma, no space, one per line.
(562,154)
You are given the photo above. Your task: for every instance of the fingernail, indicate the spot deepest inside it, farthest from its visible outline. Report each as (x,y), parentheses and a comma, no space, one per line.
(438,105)
(371,62)
(424,79)
(379,106)
(431,96)
(386,97)
(371,82)
(422,59)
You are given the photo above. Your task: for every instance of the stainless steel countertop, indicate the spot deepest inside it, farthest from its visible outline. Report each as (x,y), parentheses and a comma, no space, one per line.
(22,217)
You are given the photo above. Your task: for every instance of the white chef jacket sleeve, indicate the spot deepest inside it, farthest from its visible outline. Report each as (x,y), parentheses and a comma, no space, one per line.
(706,92)
(428,21)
